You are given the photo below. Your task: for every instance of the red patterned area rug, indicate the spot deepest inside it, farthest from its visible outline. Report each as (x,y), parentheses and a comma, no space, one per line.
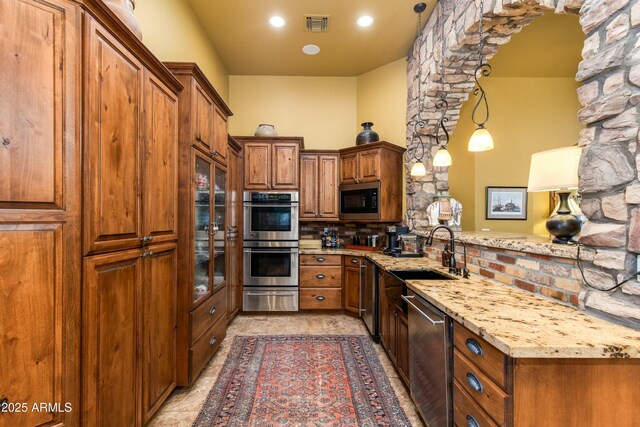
(302,380)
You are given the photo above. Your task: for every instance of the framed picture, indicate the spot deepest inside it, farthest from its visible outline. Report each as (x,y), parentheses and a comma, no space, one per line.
(506,203)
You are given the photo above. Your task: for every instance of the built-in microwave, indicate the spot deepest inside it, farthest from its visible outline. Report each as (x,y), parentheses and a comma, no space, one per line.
(360,201)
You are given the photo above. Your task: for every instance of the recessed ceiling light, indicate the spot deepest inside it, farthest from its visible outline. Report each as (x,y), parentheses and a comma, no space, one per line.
(311,49)
(365,21)
(277,21)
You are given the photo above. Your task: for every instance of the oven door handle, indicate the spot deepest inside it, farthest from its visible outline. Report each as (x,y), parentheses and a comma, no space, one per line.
(271,251)
(266,293)
(270,205)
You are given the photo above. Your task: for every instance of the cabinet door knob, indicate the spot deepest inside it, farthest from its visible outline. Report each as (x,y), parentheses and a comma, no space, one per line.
(213,341)
(214,153)
(320,298)
(354,261)
(320,276)
(474,382)
(212,311)
(474,346)
(471,421)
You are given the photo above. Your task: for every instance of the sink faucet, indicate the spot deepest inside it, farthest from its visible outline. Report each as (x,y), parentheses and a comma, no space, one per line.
(452,260)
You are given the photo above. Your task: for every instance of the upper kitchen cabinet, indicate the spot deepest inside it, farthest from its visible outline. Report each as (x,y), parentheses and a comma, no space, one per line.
(205,115)
(130,168)
(378,164)
(319,185)
(271,163)
(370,162)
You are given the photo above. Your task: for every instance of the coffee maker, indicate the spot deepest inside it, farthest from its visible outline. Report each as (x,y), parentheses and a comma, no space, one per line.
(394,240)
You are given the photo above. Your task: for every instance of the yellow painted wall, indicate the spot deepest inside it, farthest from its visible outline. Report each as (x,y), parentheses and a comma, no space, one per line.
(321,109)
(382,99)
(172,31)
(527,115)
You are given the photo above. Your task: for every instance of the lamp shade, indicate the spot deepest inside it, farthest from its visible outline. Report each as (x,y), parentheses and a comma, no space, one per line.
(418,169)
(442,158)
(481,140)
(554,170)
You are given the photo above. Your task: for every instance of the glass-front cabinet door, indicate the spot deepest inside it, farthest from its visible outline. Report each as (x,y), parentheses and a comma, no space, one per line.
(219,228)
(202,229)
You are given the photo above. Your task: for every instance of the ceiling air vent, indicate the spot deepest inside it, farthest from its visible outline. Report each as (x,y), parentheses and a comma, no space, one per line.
(316,23)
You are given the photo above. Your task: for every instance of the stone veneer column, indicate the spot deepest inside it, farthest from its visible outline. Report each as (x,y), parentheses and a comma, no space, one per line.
(610,73)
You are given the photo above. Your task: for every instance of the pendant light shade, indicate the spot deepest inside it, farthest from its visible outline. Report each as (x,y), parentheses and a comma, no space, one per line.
(418,169)
(442,158)
(481,140)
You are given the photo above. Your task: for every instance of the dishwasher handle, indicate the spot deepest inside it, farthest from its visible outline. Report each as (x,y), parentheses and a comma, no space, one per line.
(408,301)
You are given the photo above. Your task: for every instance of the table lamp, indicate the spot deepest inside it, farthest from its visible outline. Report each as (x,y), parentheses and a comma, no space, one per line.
(557,170)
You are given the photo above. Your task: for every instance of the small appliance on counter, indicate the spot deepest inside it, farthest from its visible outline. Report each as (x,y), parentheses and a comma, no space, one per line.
(394,240)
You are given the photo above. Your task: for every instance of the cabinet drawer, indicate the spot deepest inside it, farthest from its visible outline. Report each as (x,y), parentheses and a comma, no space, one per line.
(488,358)
(320,259)
(206,347)
(481,388)
(207,313)
(320,299)
(466,410)
(352,261)
(321,277)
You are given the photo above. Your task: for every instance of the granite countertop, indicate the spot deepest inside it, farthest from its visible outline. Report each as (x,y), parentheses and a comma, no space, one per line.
(511,241)
(518,323)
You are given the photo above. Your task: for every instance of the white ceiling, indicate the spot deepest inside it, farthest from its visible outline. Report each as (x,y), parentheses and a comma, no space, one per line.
(248,45)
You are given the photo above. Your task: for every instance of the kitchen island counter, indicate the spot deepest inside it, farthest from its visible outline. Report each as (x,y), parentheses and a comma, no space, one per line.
(518,323)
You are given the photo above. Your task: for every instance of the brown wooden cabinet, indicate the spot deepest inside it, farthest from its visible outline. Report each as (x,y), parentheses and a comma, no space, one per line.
(319,185)
(394,333)
(320,282)
(129,350)
(376,162)
(207,237)
(493,389)
(234,230)
(88,126)
(352,277)
(271,163)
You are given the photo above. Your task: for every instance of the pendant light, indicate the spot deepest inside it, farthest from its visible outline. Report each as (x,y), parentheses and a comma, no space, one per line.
(418,169)
(481,139)
(442,157)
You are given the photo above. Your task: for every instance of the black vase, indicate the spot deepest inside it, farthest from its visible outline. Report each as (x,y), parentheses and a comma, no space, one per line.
(367,135)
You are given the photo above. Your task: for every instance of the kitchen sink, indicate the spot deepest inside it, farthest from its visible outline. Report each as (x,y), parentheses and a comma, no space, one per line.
(420,275)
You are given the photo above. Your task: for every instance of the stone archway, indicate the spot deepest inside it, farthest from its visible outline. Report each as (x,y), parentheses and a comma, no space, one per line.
(610,93)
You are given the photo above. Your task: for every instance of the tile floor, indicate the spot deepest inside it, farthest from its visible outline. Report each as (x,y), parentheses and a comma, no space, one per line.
(183,405)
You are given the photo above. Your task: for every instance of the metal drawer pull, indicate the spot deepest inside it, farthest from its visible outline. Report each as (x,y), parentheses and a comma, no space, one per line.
(320,259)
(471,422)
(474,346)
(320,298)
(320,276)
(354,261)
(212,311)
(474,382)
(213,341)
(408,300)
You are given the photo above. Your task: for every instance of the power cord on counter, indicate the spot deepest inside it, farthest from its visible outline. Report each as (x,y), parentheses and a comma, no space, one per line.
(584,279)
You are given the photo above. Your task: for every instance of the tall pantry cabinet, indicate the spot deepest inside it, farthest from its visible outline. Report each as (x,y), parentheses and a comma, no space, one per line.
(88,216)
(205,176)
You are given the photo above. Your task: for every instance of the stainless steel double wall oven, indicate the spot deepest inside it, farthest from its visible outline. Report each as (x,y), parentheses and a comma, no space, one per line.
(270,251)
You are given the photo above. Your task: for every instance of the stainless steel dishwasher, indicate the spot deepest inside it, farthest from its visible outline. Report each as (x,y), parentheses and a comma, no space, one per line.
(430,361)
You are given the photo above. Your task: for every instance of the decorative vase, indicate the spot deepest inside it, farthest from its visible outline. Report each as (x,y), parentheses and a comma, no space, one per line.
(265,129)
(367,135)
(124,10)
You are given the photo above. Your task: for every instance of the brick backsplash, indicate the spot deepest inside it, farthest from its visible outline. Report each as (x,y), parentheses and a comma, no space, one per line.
(551,277)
